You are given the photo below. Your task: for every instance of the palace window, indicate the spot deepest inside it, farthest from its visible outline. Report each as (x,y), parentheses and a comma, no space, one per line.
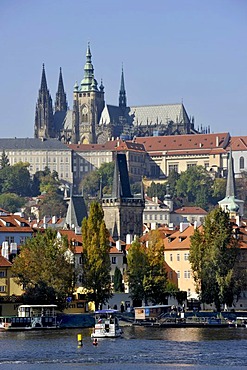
(173,168)
(178,274)
(114,260)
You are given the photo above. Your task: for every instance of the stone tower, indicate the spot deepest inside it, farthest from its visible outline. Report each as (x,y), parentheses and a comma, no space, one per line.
(123,212)
(61,108)
(44,127)
(88,105)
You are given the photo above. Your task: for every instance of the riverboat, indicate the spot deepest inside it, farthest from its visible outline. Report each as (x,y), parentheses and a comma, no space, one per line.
(106,324)
(31,317)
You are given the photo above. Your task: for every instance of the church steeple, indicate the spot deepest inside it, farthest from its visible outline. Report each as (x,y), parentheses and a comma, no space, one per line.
(122,93)
(44,111)
(230,185)
(61,101)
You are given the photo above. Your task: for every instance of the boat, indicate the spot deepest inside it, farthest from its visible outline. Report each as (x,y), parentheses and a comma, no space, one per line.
(31,317)
(106,324)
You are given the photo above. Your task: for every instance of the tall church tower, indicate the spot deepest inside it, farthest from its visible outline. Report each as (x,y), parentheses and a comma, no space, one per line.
(44,113)
(61,101)
(88,105)
(123,212)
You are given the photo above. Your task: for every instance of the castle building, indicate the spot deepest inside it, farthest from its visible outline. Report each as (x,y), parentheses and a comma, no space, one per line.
(93,121)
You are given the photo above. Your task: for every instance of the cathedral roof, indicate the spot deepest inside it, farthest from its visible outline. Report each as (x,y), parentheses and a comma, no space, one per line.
(158,114)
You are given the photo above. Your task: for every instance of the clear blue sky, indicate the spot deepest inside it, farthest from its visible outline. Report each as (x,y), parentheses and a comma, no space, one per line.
(171,50)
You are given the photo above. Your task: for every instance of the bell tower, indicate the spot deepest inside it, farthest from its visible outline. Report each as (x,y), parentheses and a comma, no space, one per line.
(88,105)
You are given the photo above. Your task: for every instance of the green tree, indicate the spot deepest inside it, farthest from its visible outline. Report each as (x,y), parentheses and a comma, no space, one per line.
(43,264)
(91,183)
(155,279)
(157,190)
(172,183)
(195,186)
(11,202)
(16,179)
(214,255)
(4,160)
(118,280)
(52,204)
(96,264)
(137,267)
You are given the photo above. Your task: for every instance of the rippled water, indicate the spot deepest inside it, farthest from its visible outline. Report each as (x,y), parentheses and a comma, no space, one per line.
(140,348)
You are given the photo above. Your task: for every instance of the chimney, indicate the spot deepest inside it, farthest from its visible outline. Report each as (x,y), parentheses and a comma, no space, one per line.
(118,245)
(183,226)
(217,141)
(129,239)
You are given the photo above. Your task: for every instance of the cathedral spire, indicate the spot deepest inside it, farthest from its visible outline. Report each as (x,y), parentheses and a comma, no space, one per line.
(61,102)
(43,126)
(43,86)
(122,93)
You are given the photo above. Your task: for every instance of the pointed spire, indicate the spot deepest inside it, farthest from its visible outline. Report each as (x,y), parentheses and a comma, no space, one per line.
(43,86)
(88,79)
(61,101)
(122,92)
(230,185)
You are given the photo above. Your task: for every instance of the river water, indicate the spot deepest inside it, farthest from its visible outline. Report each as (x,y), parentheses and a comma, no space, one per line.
(140,348)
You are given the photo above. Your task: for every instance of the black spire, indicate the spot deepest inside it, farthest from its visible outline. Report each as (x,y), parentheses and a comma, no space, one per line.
(43,86)
(61,102)
(44,112)
(230,185)
(122,93)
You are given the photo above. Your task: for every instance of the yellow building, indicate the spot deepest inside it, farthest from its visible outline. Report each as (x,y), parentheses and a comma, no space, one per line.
(10,292)
(177,248)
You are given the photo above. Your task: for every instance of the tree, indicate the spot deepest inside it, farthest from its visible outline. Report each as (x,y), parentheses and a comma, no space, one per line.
(15,179)
(96,278)
(11,202)
(137,267)
(43,265)
(195,186)
(118,280)
(213,256)
(157,190)
(155,278)
(91,183)
(4,160)
(52,204)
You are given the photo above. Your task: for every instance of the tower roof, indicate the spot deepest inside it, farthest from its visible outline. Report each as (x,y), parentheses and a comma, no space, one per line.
(121,184)
(88,82)
(43,86)
(230,185)
(122,93)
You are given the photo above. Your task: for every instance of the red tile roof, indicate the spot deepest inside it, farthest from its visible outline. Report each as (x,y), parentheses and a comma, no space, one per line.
(190,211)
(109,145)
(184,142)
(4,262)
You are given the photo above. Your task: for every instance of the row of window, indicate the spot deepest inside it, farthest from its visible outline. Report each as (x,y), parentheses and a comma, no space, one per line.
(11,239)
(186,257)
(155,217)
(187,274)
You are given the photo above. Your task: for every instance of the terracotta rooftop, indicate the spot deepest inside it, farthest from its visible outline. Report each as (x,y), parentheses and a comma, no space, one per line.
(190,211)
(109,145)
(184,142)
(4,262)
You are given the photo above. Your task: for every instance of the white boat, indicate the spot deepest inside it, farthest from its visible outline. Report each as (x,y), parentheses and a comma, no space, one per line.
(106,324)
(31,317)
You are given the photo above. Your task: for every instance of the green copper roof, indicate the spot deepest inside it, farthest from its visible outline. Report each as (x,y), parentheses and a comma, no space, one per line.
(88,83)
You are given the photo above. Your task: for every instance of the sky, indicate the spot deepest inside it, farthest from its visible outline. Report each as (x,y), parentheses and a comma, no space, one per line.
(172,51)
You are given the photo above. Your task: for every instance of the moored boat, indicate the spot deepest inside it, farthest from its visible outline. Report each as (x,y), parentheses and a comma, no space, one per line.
(106,324)
(31,317)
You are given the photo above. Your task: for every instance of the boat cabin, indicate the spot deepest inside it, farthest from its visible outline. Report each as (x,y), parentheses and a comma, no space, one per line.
(151,313)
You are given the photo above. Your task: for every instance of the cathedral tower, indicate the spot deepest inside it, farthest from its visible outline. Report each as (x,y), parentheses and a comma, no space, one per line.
(44,113)
(61,101)
(88,105)
(122,93)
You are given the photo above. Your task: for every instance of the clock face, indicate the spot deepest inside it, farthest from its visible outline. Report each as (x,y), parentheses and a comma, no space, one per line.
(84,110)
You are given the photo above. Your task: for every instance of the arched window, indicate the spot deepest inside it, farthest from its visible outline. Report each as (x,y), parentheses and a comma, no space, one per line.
(241,163)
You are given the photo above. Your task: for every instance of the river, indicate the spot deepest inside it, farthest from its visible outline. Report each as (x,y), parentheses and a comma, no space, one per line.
(140,348)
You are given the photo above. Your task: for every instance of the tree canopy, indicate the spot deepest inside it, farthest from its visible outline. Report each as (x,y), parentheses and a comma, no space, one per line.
(15,179)
(214,256)
(43,265)
(96,278)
